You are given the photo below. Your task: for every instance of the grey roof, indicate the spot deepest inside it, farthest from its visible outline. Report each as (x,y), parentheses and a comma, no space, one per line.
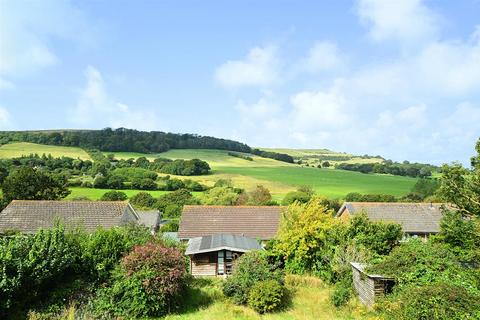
(150,219)
(218,242)
(251,221)
(413,217)
(170,235)
(28,216)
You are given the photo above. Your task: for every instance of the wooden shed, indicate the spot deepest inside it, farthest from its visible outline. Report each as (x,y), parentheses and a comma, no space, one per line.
(370,287)
(214,255)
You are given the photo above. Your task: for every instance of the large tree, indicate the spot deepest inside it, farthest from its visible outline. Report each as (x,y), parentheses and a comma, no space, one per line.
(461,186)
(30,184)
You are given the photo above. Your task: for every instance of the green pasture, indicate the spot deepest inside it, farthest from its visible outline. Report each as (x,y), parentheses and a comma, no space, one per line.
(95,194)
(18,149)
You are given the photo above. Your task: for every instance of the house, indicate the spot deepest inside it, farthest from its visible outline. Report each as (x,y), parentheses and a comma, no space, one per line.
(416,219)
(28,216)
(214,255)
(369,287)
(218,235)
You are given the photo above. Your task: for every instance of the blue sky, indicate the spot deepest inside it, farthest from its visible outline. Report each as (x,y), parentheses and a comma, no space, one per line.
(395,78)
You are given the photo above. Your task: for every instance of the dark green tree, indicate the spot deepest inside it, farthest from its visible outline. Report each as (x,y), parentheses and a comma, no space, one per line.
(30,184)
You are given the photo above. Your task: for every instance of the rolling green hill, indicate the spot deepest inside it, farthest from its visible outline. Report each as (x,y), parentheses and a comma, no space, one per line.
(279,177)
(19,149)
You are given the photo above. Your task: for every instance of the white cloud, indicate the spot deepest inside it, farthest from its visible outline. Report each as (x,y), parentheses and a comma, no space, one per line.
(406,21)
(323,56)
(27,30)
(95,106)
(258,68)
(5,119)
(319,109)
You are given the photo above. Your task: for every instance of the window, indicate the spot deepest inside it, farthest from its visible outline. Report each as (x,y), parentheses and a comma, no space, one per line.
(221,263)
(228,262)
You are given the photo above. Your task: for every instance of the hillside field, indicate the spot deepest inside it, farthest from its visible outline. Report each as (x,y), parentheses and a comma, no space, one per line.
(279,177)
(18,149)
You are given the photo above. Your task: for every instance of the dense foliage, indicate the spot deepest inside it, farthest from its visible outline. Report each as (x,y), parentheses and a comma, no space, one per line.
(240,155)
(400,169)
(311,240)
(358,197)
(38,268)
(266,296)
(273,155)
(250,269)
(461,186)
(122,139)
(30,184)
(114,196)
(148,283)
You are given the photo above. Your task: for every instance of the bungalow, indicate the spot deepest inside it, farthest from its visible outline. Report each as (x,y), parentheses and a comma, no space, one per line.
(416,219)
(218,235)
(28,216)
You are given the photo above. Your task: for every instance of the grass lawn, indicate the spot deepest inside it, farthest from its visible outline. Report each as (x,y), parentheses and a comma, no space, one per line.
(310,300)
(19,149)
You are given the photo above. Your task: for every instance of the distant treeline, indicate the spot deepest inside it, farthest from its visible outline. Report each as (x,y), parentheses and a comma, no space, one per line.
(240,155)
(389,167)
(273,155)
(129,140)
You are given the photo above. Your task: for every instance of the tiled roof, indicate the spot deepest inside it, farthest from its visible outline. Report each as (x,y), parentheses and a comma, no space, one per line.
(413,217)
(29,216)
(251,221)
(218,242)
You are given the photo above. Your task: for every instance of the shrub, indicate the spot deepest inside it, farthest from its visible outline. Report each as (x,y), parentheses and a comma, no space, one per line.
(440,301)
(114,196)
(31,265)
(142,200)
(266,296)
(171,226)
(250,268)
(174,184)
(149,283)
(341,293)
(102,250)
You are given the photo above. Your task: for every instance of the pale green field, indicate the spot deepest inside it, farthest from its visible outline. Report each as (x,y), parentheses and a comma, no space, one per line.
(18,149)
(310,301)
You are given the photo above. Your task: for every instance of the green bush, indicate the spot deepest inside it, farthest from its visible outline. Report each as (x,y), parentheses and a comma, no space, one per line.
(440,301)
(142,200)
(266,296)
(114,196)
(149,283)
(341,293)
(250,268)
(102,250)
(31,265)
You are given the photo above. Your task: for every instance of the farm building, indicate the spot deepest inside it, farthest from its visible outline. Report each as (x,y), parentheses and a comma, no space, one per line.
(218,235)
(214,255)
(369,287)
(29,216)
(416,219)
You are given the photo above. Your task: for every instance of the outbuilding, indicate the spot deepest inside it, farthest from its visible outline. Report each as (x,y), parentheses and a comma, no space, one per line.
(215,255)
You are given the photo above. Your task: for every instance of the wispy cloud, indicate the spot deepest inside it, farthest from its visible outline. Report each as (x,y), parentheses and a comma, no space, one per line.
(258,68)
(95,105)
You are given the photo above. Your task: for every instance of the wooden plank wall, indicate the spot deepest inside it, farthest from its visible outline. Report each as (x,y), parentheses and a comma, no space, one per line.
(201,265)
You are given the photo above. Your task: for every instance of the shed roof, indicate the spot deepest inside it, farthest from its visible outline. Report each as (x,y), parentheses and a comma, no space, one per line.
(28,216)
(218,242)
(251,221)
(413,217)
